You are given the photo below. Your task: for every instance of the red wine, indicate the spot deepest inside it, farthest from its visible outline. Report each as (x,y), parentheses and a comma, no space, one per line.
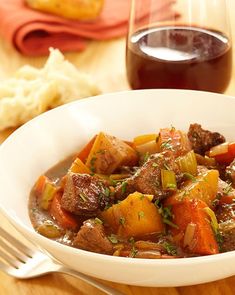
(179,57)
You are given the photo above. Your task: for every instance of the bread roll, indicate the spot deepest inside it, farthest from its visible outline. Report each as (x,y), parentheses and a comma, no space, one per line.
(71,9)
(33,91)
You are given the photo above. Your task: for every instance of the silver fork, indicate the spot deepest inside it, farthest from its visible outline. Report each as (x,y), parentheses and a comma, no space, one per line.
(22,262)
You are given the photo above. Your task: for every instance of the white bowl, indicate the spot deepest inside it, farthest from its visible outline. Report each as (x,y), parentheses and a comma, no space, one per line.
(49,138)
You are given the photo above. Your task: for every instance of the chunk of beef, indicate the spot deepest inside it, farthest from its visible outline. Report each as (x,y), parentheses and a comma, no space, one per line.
(147,179)
(226,212)
(230,173)
(202,140)
(84,194)
(226,219)
(224,190)
(91,237)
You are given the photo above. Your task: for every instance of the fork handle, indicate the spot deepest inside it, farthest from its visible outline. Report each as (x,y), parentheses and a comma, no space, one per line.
(106,289)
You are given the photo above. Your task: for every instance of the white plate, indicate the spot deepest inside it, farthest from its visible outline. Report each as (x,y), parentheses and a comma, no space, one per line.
(49,138)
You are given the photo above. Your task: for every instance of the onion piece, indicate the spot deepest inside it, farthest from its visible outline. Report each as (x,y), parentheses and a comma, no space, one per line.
(150,147)
(205,161)
(147,245)
(117,249)
(49,230)
(214,222)
(149,254)
(189,234)
(219,149)
(142,139)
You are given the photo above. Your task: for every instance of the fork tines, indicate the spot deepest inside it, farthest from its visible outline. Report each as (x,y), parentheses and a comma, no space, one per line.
(12,251)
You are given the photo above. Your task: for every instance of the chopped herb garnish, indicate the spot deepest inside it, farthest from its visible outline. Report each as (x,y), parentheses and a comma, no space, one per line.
(131,240)
(155,165)
(228,189)
(107,206)
(92,162)
(83,197)
(100,152)
(167,216)
(156,203)
(134,252)
(172,128)
(100,196)
(124,186)
(146,156)
(219,239)
(122,220)
(171,249)
(141,196)
(170,223)
(166,145)
(140,214)
(171,185)
(113,182)
(113,239)
(98,221)
(166,212)
(190,176)
(107,192)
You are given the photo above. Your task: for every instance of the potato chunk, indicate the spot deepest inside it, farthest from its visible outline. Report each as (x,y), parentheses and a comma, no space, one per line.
(135,216)
(203,187)
(108,153)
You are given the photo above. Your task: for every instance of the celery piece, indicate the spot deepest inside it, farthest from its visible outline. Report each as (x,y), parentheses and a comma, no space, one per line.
(188,163)
(49,230)
(47,195)
(168,179)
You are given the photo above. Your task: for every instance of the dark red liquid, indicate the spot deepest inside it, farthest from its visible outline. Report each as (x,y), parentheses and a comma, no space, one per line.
(179,57)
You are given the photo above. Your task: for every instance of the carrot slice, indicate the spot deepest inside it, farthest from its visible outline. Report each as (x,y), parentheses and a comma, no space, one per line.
(40,184)
(79,167)
(64,218)
(83,154)
(186,213)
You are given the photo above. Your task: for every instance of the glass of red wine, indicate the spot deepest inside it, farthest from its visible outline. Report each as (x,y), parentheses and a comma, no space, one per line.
(183,44)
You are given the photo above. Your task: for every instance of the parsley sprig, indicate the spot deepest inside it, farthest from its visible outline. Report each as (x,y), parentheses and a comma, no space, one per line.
(170,249)
(167,215)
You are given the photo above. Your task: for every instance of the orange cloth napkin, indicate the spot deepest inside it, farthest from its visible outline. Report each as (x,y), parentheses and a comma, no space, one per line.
(33,32)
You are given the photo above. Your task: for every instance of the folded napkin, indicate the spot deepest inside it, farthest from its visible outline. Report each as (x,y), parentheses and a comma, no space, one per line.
(33,32)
